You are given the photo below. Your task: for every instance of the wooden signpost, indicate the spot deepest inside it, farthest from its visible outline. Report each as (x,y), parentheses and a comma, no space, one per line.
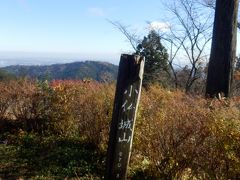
(126,101)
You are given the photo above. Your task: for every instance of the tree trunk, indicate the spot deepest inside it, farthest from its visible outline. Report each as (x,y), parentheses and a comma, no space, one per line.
(223,51)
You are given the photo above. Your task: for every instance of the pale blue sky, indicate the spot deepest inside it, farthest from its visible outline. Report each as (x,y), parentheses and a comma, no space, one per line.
(70,29)
(60,31)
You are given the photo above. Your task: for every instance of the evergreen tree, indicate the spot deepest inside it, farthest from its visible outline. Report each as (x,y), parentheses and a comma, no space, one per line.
(156,59)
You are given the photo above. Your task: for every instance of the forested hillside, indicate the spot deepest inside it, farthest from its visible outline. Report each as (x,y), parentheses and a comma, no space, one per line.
(4,75)
(99,71)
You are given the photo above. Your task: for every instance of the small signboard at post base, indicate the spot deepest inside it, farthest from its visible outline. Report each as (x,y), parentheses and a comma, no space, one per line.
(126,101)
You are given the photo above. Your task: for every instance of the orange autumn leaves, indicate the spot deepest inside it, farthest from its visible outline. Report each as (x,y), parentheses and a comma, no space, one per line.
(176,135)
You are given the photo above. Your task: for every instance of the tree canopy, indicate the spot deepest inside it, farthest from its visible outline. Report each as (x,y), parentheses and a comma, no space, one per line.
(156,58)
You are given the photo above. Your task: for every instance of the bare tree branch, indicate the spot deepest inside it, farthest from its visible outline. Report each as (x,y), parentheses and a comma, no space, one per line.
(191,35)
(131,37)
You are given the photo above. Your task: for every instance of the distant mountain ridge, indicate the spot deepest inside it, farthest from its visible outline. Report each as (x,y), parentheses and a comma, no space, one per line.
(99,71)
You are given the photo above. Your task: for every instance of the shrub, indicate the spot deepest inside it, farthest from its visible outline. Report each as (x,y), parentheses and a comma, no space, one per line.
(93,112)
(5,100)
(179,137)
(83,109)
(29,104)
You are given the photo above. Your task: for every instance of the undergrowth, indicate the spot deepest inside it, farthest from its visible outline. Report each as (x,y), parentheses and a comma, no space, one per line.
(60,130)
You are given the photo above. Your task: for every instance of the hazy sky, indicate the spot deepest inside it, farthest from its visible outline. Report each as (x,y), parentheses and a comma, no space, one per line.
(60,31)
(70,29)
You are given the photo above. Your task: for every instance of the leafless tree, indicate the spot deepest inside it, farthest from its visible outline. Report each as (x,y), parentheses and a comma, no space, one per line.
(208,3)
(133,38)
(187,38)
(189,35)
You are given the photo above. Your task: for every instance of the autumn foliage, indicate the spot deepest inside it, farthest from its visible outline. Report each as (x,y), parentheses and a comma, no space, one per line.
(176,137)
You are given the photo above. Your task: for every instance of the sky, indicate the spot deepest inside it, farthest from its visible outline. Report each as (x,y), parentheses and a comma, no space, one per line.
(37,32)
(59,31)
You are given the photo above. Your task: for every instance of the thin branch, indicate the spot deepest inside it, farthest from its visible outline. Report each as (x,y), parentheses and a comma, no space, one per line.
(134,41)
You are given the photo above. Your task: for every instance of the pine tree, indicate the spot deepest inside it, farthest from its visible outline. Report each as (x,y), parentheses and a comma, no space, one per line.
(156,59)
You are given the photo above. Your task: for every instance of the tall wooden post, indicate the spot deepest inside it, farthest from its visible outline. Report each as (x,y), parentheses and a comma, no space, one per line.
(223,52)
(126,101)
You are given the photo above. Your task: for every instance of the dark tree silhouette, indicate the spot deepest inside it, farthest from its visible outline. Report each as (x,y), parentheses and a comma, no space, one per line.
(223,52)
(156,59)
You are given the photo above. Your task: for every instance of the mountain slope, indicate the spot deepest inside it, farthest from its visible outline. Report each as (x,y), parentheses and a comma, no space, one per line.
(4,75)
(100,71)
